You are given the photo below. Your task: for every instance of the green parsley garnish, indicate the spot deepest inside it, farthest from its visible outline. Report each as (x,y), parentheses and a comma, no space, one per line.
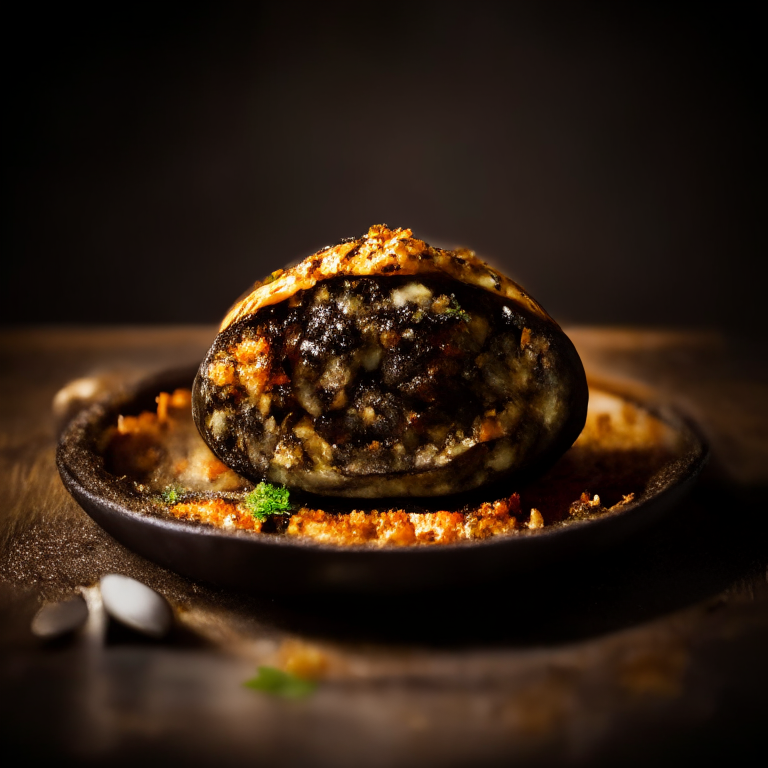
(172,493)
(278,683)
(456,311)
(266,499)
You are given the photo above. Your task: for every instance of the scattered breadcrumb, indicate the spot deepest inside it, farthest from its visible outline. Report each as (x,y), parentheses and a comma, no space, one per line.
(218,512)
(619,450)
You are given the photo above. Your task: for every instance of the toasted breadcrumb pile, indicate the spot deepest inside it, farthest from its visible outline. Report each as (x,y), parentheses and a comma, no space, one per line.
(389,527)
(398,527)
(217,512)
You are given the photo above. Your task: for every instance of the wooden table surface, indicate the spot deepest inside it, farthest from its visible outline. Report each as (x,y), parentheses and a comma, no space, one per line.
(652,653)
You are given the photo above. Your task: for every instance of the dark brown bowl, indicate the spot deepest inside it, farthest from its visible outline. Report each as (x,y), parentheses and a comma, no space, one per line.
(262,562)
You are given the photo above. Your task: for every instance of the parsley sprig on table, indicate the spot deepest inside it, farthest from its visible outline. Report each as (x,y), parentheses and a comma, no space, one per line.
(278,683)
(265,500)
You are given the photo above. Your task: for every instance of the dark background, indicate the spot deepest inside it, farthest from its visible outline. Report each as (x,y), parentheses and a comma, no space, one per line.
(609,160)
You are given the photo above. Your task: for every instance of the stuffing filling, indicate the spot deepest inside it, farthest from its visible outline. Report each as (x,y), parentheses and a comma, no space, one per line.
(376,386)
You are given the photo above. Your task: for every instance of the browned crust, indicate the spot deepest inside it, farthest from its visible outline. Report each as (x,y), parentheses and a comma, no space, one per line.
(381,251)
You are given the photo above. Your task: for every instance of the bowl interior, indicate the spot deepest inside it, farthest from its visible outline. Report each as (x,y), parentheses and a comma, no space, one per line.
(260,562)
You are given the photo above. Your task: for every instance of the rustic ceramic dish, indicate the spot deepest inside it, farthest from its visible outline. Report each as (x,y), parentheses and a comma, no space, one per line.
(274,563)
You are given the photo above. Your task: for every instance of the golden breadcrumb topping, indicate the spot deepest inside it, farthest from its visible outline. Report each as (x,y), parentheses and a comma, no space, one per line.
(382,251)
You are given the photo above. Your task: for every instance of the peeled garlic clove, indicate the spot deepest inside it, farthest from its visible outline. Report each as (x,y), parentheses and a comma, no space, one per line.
(58,619)
(136,605)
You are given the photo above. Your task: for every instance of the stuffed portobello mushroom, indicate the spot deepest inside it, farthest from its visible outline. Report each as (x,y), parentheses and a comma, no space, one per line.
(384,367)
